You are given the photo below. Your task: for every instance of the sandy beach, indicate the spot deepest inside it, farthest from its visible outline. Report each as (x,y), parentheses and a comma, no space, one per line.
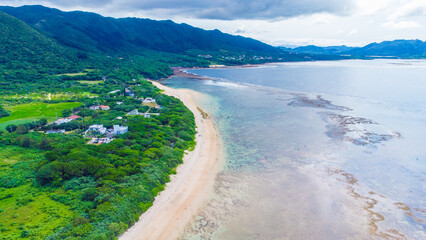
(183,196)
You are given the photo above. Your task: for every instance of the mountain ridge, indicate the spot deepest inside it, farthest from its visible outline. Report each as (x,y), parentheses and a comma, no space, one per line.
(106,34)
(402,48)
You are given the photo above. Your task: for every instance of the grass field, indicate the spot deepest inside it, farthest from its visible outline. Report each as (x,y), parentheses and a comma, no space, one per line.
(87,70)
(90,82)
(60,96)
(26,210)
(25,113)
(72,74)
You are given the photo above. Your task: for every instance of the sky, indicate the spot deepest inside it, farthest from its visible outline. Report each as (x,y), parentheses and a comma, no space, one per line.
(277,22)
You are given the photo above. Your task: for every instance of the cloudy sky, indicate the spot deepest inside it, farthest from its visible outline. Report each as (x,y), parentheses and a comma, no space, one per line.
(277,22)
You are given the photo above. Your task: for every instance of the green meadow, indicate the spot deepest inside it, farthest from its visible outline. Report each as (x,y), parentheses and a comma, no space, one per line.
(89,82)
(25,113)
(26,211)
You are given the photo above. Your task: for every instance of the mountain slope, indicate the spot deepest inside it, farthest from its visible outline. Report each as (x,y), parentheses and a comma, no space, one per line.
(396,48)
(92,32)
(21,47)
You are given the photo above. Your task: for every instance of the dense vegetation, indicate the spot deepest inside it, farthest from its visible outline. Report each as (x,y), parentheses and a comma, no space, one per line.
(55,186)
(3,112)
(92,192)
(92,32)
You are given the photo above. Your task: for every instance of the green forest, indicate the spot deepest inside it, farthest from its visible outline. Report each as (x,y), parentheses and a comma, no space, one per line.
(56,186)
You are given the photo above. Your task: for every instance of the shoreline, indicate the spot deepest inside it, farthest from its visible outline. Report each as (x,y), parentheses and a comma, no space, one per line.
(183,196)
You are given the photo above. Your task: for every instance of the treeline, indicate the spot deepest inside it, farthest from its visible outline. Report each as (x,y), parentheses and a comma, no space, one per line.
(3,112)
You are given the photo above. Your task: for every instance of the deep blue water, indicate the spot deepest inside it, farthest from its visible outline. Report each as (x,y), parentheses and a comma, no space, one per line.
(317,150)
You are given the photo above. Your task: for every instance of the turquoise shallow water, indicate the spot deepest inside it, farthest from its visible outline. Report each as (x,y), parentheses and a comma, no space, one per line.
(317,150)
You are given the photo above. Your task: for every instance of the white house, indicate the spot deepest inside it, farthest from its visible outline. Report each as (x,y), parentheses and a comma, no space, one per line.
(115,91)
(117,130)
(96,129)
(149,100)
(94,107)
(55,131)
(62,120)
(133,112)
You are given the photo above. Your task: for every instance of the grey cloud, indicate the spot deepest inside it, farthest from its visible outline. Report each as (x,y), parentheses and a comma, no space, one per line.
(245,9)
(213,9)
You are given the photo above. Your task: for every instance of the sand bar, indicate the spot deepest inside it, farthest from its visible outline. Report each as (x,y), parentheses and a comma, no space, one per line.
(183,196)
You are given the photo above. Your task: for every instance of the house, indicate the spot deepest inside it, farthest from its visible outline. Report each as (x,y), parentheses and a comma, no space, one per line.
(148,115)
(117,130)
(119,103)
(149,100)
(115,91)
(119,118)
(103,107)
(98,141)
(94,107)
(55,131)
(96,129)
(62,120)
(73,117)
(133,112)
(128,92)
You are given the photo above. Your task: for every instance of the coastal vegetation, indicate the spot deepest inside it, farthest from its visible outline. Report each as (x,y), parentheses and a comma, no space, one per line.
(56,186)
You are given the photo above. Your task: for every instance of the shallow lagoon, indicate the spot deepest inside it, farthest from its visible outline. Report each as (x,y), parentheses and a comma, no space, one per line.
(317,150)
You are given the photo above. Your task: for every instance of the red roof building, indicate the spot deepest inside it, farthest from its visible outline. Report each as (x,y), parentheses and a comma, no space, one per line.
(73,117)
(103,107)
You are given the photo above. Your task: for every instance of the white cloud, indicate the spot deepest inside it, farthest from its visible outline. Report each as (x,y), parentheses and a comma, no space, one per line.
(353,32)
(402,24)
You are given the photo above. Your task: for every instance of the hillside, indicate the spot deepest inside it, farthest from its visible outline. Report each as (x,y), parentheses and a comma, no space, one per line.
(396,48)
(21,47)
(93,32)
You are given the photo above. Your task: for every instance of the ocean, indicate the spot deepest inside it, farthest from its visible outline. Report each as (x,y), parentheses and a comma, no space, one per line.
(316,150)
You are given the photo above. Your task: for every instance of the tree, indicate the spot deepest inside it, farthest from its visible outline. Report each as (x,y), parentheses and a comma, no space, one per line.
(66,112)
(44,144)
(26,142)
(43,121)
(11,128)
(95,115)
(22,129)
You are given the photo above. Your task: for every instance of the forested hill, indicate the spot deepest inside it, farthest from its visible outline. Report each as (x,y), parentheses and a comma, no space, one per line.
(21,47)
(93,32)
(397,48)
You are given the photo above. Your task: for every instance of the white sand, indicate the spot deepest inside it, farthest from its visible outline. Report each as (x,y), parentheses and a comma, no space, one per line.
(182,198)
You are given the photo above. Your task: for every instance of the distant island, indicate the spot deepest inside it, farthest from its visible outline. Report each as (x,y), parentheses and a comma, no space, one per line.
(386,49)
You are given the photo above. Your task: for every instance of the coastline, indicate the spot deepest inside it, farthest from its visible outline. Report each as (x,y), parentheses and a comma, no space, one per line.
(183,196)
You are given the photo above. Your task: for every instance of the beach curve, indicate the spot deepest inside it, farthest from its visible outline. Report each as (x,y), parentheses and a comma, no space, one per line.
(183,196)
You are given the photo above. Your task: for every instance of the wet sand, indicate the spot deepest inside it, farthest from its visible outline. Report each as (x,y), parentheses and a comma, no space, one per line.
(183,196)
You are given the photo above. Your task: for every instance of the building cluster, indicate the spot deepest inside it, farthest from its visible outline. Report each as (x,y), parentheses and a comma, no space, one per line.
(101,107)
(101,134)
